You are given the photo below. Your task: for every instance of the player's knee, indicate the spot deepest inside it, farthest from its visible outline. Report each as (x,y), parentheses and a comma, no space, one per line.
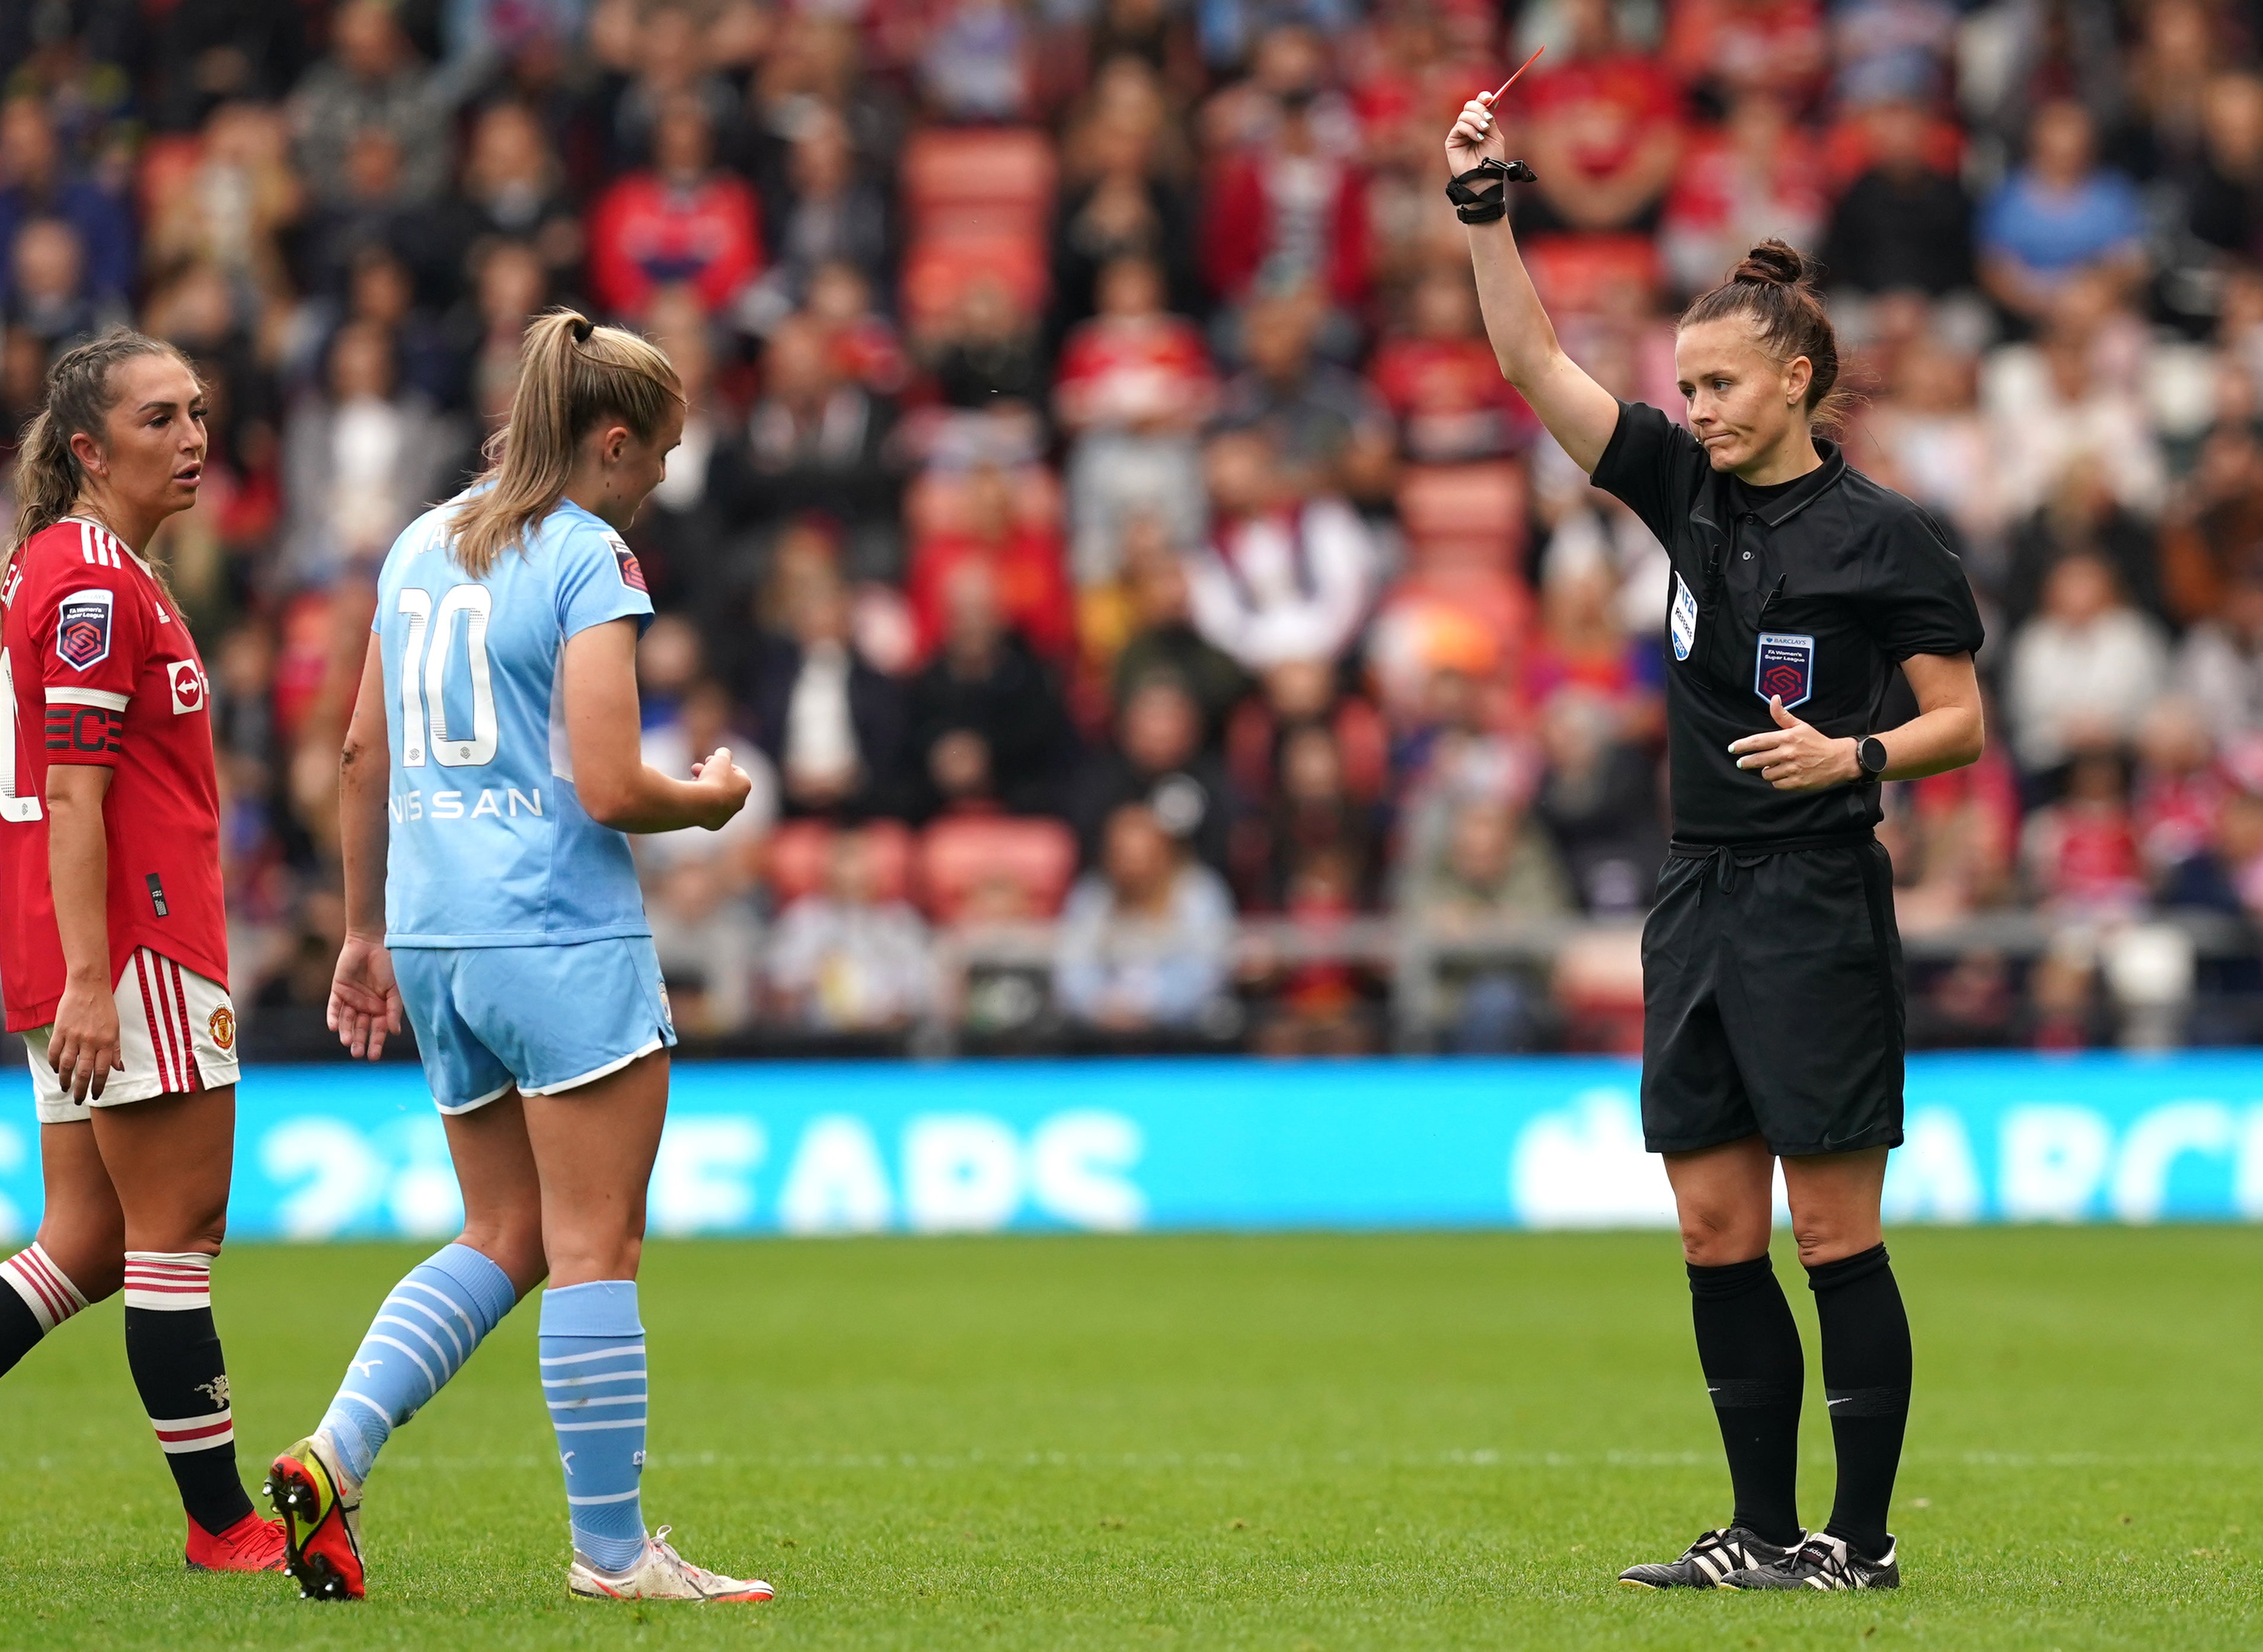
(1715,1235)
(208,1235)
(1827,1236)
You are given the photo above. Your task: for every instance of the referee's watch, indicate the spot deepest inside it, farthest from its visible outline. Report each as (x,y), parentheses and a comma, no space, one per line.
(1870,759)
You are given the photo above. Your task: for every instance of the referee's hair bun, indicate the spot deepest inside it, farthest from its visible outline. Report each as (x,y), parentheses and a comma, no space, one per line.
(1772,292)
(1773,264)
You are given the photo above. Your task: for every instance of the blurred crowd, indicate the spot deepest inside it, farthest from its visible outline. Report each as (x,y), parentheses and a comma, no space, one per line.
(1099,508)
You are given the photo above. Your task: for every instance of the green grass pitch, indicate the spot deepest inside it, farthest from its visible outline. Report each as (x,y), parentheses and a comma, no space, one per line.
(1316,1442)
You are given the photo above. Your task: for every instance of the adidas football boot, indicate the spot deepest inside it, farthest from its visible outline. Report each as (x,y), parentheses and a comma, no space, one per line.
(1823,1561)
(1708,1562)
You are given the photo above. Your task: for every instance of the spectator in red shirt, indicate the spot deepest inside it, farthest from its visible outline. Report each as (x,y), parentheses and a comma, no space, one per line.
(1441,385)
(2082,851)
(1287,214)
(863,345)
(2180,797)
(1133,365)
(1601,126)
(1960,843)
(1905,222)
(682,222)
(1723,49)
(1755,177)
(1024,560)
(1135,383)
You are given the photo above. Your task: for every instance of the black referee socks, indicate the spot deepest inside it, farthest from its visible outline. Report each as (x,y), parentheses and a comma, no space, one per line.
(1866,1383)
(173,1351)
(1749,1348)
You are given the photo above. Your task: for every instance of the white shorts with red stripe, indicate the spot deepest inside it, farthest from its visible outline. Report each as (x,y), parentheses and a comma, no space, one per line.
(175,1033)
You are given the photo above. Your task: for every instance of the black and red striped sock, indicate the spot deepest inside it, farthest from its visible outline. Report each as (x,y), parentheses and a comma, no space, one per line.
(174,1353)
(42,1298)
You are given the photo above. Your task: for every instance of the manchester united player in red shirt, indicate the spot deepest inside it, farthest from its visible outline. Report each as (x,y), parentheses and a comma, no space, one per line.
(113,942)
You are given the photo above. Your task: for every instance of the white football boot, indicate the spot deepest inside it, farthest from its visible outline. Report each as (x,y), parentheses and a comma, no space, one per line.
(659,1574)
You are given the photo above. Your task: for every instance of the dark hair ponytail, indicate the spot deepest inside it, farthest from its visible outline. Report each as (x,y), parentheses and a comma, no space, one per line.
(1774,287)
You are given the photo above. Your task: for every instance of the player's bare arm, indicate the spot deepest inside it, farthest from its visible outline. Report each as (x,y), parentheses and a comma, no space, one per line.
(365,1001)
(1948,732)
(611,778)
(1578,413)
(83,1048)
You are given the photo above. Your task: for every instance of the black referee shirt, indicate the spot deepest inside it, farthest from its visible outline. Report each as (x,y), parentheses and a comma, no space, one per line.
(1817,590)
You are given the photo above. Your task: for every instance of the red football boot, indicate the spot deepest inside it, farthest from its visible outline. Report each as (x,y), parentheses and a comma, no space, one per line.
(251,1544)
(321,1521)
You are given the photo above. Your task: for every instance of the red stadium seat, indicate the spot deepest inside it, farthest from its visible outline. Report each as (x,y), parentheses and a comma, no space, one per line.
(995,866)
(977,185)
(1577,274)
(1464,516)
(795,857)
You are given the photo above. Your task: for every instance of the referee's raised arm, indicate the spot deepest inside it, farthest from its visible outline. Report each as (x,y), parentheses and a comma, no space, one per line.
(1578,413)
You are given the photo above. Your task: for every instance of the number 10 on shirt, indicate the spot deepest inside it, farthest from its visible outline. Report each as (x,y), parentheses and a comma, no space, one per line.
(422,676)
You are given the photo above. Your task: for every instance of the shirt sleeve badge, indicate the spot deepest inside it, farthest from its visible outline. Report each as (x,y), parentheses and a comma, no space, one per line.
(1681,624)
(83,628)
(625,560)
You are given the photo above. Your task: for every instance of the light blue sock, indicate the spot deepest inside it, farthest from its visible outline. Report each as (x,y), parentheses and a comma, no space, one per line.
(592,1351)
(421,1336)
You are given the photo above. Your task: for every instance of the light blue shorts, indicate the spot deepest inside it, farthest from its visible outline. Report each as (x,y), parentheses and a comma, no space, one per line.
(543,1018)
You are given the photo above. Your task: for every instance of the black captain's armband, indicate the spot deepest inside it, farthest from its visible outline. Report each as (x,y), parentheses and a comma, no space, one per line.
(1473,208)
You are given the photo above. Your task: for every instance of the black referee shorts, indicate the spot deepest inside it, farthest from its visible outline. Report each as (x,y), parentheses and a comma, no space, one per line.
(1772,998)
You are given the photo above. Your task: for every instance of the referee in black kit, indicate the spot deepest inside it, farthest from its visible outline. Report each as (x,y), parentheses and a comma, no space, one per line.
(1771,971)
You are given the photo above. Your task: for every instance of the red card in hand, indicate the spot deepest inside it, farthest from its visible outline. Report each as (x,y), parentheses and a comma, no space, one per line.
(1511,81)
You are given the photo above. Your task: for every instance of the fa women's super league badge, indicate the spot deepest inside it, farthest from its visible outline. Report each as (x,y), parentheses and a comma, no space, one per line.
(1784,667)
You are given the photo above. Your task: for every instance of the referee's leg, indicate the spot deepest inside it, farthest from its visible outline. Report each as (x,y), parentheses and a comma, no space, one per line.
(1697,1115)
(1866,1336)
(1747,1342)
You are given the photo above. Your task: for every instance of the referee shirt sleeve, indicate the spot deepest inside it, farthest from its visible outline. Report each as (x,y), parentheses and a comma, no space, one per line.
(1916,600)
(1653,465)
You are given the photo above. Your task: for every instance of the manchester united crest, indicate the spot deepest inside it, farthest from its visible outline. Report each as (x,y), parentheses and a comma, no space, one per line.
(223,1027)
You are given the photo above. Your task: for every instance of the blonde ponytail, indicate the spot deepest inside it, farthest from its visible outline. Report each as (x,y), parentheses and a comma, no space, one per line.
(572,377)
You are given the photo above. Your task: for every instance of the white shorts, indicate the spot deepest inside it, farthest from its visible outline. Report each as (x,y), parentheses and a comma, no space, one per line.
(176,1034)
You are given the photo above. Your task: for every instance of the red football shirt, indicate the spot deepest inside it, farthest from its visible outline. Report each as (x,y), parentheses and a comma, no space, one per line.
(96,666)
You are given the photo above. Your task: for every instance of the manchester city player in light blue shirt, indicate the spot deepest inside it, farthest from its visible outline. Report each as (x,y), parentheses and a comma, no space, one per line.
(492,767)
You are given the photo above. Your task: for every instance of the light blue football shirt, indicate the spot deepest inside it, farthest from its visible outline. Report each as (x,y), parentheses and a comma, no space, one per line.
(488,845)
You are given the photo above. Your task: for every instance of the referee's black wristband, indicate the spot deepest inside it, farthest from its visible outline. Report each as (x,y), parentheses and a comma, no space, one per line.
(1473,208)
